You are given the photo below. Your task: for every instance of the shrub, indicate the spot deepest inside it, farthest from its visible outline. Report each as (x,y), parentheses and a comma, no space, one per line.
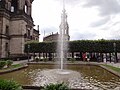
(9,63)
(45,59)
(9,85)
(60,86)
(2,64)
(37,59)
(53,59)
(72,60)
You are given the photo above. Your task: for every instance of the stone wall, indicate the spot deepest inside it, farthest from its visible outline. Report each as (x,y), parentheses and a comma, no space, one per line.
(4,39)
(16,27)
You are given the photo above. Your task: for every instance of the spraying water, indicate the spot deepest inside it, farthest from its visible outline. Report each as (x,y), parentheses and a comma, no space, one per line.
(61,50)
(63,37)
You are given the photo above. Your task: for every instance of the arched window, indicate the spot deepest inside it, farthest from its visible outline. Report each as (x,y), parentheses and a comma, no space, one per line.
(12,9)
(14,5)
(25,8)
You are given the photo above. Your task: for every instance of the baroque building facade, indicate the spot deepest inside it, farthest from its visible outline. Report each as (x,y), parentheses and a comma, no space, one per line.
(16,27)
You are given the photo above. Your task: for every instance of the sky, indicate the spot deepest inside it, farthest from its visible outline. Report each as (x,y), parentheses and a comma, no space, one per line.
(87,19)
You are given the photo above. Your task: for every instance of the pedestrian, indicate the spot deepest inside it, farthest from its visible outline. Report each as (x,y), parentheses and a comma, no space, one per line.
(88,57)
(84,56)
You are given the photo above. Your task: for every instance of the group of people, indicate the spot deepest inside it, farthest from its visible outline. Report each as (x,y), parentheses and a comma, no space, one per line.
(86,56)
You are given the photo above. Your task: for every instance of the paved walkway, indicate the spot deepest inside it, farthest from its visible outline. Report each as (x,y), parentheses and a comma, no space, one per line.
(21,62)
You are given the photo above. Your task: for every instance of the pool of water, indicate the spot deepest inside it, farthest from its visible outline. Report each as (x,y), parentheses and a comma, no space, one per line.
(83,76)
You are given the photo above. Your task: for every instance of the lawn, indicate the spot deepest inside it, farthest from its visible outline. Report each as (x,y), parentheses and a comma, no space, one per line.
(113,68)
(11,67)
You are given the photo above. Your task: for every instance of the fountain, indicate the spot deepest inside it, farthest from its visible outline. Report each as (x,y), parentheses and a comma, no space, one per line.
(83,78)
(70,77)
(59,75)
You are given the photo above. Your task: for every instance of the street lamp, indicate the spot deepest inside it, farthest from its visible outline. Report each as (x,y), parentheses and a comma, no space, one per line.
(28,51)
(115,53)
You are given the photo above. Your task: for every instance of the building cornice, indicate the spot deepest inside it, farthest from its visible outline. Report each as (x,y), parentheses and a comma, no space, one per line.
(22,17)
(16,36)
(5,13)
(4,36)
(16,16)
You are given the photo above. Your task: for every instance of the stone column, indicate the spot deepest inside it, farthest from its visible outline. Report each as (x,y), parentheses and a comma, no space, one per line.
(29,10)
(6,4)
(9,5)
(21,4)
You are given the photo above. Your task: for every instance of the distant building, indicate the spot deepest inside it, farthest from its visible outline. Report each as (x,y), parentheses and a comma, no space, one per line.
(52,37)
(16,27)
(64,29)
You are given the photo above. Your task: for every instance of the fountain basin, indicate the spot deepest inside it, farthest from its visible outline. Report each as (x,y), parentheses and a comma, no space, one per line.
(76,76)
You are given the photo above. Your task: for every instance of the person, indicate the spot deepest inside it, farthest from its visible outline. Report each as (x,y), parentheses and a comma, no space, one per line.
(97,57)
(104,58)
(84,56)
(88,57)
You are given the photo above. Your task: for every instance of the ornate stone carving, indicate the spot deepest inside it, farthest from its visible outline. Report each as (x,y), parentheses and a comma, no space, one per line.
(8,4)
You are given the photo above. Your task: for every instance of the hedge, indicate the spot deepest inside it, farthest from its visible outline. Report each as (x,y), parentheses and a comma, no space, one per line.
(9,85)
(105,46)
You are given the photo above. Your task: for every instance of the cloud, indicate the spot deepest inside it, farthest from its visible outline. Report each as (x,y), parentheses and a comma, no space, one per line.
(82,36)
(49,30)
(71,3)
(74,2)
(100,22)
(112,24)
(106,7)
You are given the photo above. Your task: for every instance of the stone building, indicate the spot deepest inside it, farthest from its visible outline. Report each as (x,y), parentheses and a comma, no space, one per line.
(51,37)
(16,27)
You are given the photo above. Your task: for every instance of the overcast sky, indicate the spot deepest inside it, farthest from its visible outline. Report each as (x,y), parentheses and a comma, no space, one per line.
(87,19)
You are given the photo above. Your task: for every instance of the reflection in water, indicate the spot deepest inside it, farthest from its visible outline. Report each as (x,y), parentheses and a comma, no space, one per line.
(89,76)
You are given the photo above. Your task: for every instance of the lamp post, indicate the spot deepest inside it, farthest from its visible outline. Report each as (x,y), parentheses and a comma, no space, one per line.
(28,51)
(115,53)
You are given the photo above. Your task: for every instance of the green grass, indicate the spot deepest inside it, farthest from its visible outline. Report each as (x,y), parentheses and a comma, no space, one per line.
(16,66)
(113,68)
(11,67)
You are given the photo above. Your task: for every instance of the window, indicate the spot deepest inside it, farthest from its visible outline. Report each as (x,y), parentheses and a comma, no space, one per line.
(14,5)
(6,46)
(7,30)
(28,33)
(12,9)
(25,8)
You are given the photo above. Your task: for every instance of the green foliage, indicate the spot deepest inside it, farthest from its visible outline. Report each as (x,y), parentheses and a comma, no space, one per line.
(53,59)
(101,46)
(72,60)
(41,47)
(2,64)
(16,65)
(60,86)
(9,85)
(36,59)
(45,59)
(113,68)
(9,63)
